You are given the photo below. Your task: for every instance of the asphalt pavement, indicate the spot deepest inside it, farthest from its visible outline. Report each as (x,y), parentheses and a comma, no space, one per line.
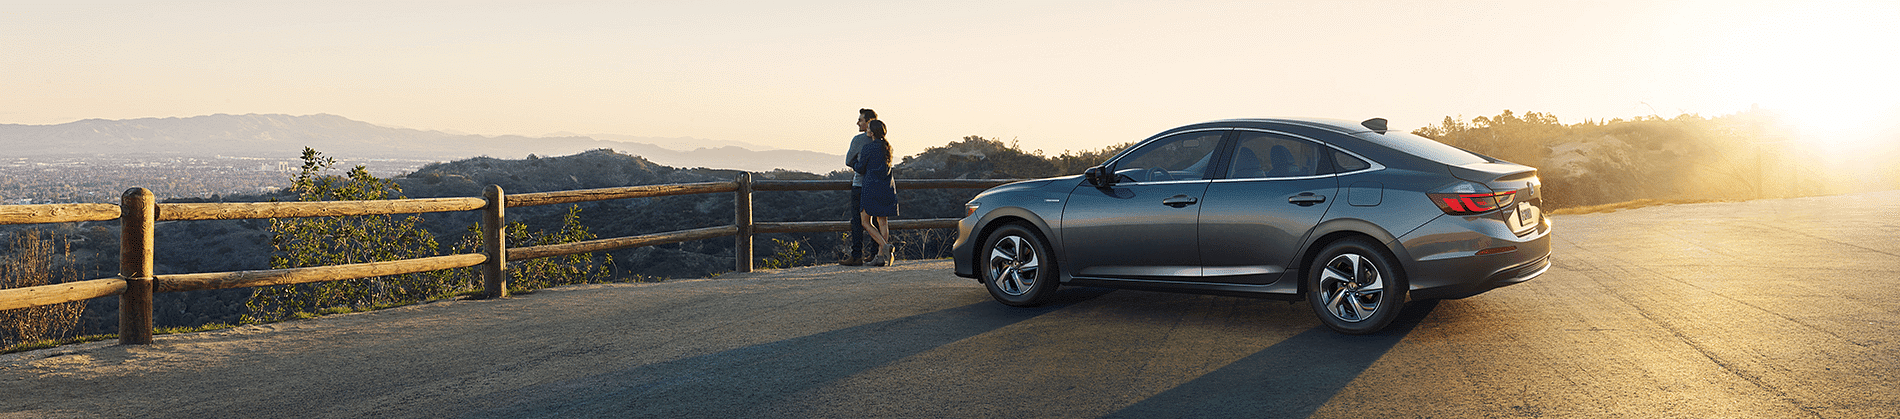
(1771,309)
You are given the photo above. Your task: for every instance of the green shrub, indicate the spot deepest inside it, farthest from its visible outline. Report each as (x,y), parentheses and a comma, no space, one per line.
(325,241)
(786,254)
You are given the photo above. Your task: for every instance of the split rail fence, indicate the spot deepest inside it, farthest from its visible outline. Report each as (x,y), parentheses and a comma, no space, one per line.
(138,212)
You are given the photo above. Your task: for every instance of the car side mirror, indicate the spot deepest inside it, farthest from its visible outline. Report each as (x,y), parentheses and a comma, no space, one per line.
(1099,176)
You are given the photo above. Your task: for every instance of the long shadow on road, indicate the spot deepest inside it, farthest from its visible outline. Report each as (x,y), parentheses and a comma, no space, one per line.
(745,382)
(1290,379)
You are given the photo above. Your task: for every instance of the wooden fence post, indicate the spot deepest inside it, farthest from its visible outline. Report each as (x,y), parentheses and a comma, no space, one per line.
(138,213)
(742,218)
(495,244)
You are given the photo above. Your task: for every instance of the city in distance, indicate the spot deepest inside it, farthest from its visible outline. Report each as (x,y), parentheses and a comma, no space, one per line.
(91,160)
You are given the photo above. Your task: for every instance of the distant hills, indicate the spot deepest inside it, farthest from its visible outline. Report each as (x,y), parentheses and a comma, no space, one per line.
(285,136)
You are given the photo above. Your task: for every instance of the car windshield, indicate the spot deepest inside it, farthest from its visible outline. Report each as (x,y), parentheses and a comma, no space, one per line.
(1425,147)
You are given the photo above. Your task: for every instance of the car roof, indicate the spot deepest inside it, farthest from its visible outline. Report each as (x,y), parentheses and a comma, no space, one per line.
(1357,135)
(1329,124)
(1348,128)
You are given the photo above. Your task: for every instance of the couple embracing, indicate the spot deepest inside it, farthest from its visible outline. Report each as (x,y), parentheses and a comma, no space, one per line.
(873,192)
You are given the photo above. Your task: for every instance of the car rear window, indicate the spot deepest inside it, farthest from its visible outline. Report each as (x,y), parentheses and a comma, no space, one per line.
(1425,147)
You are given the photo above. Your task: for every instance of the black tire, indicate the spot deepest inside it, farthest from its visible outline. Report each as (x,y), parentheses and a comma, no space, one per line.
(1355,287)
(1016,266)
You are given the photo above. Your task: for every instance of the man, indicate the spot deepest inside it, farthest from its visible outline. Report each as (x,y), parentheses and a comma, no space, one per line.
(865,116)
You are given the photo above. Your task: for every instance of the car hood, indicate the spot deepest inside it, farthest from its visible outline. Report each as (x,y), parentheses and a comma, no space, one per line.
(1029,184)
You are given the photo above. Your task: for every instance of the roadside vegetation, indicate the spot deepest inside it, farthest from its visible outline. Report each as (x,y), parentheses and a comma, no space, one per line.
(325,241)
(36,258)
(1747,155)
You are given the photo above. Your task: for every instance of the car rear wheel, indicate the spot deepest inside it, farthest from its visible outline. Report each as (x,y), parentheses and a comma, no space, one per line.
(1355,288)
(1017,267)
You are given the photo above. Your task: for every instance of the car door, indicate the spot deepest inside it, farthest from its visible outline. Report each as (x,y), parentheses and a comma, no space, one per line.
(1275,189)
(1144,225)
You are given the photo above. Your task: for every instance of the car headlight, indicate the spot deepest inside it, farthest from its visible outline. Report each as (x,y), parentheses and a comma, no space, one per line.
(970,208)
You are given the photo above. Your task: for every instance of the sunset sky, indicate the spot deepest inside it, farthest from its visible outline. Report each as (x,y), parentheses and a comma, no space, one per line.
(1052,75)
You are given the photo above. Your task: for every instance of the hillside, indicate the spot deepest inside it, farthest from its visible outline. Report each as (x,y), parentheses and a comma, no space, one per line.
(1748,155)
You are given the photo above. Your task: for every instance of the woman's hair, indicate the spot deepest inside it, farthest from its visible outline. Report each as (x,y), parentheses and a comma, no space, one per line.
(877,130)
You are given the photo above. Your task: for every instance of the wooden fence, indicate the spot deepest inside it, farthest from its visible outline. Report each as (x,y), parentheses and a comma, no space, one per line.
(138,212)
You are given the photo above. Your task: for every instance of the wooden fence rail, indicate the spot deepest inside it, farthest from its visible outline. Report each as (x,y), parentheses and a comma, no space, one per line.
(57,213)
(643,191)
(138,213)
(256,210)
(616,243)
(25,297)
(245,279)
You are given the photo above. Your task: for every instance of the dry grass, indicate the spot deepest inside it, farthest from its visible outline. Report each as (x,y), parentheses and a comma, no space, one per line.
(37,260)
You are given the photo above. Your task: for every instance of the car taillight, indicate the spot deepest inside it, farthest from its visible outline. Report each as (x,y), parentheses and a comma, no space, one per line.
(1472,203)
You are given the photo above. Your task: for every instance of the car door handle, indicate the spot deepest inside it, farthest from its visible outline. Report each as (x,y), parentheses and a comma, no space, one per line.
(1179,201)
(1306,199)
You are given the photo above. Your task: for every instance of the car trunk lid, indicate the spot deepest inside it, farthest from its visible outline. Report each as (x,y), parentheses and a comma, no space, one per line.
(1525,211)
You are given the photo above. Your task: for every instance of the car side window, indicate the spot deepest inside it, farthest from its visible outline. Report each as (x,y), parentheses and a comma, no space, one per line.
(1346,163)
(1179,157)
(1261,155)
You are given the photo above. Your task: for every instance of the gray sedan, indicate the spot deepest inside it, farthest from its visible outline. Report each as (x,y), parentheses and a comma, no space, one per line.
(1352,217)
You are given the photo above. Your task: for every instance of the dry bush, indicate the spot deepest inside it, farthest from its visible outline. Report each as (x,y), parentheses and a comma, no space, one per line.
(929,243)
(36,258)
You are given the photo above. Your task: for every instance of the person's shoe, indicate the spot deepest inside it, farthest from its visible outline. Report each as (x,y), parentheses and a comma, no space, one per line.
(851,262)
(884,256)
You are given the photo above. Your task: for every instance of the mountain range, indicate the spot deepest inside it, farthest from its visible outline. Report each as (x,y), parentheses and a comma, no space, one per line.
(285,136)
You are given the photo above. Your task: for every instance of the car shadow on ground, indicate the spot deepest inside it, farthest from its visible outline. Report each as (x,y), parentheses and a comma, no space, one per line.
(749,381)
(1292,378)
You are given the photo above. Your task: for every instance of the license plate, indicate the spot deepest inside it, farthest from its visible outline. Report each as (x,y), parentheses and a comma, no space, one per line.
(1526,217)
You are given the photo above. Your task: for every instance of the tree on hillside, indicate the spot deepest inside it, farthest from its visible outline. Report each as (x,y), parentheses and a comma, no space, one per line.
(324,241)
(1507,136)
(1601,162)
(975,157)
(1075,162)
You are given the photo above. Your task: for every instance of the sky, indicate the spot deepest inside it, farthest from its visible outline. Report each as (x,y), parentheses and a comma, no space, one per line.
(1048,75)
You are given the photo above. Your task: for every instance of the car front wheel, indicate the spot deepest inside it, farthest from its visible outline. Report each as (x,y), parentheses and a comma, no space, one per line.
(1355,288)
(1016,267)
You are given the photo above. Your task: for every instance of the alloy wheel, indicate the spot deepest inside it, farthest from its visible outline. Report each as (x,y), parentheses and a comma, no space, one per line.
(1352,287)
(1014,265)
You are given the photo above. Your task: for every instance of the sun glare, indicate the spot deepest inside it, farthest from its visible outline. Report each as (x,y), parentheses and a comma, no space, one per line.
(1825,67)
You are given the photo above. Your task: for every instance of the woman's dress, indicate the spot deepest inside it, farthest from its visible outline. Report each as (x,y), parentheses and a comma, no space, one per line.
(880,191)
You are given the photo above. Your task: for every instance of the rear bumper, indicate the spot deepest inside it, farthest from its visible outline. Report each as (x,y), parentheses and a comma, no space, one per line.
(1445,263)
(1509,276)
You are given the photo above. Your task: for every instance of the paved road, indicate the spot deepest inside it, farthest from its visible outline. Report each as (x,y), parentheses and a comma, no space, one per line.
(1775,309)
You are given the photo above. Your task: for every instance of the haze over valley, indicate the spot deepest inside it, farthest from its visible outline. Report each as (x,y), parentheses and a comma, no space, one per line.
(92,160)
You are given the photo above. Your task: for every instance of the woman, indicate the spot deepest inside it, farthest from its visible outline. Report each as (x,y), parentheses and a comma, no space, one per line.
(879,201)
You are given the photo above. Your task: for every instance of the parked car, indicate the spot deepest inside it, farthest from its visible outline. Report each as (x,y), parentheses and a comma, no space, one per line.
(1352,217)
